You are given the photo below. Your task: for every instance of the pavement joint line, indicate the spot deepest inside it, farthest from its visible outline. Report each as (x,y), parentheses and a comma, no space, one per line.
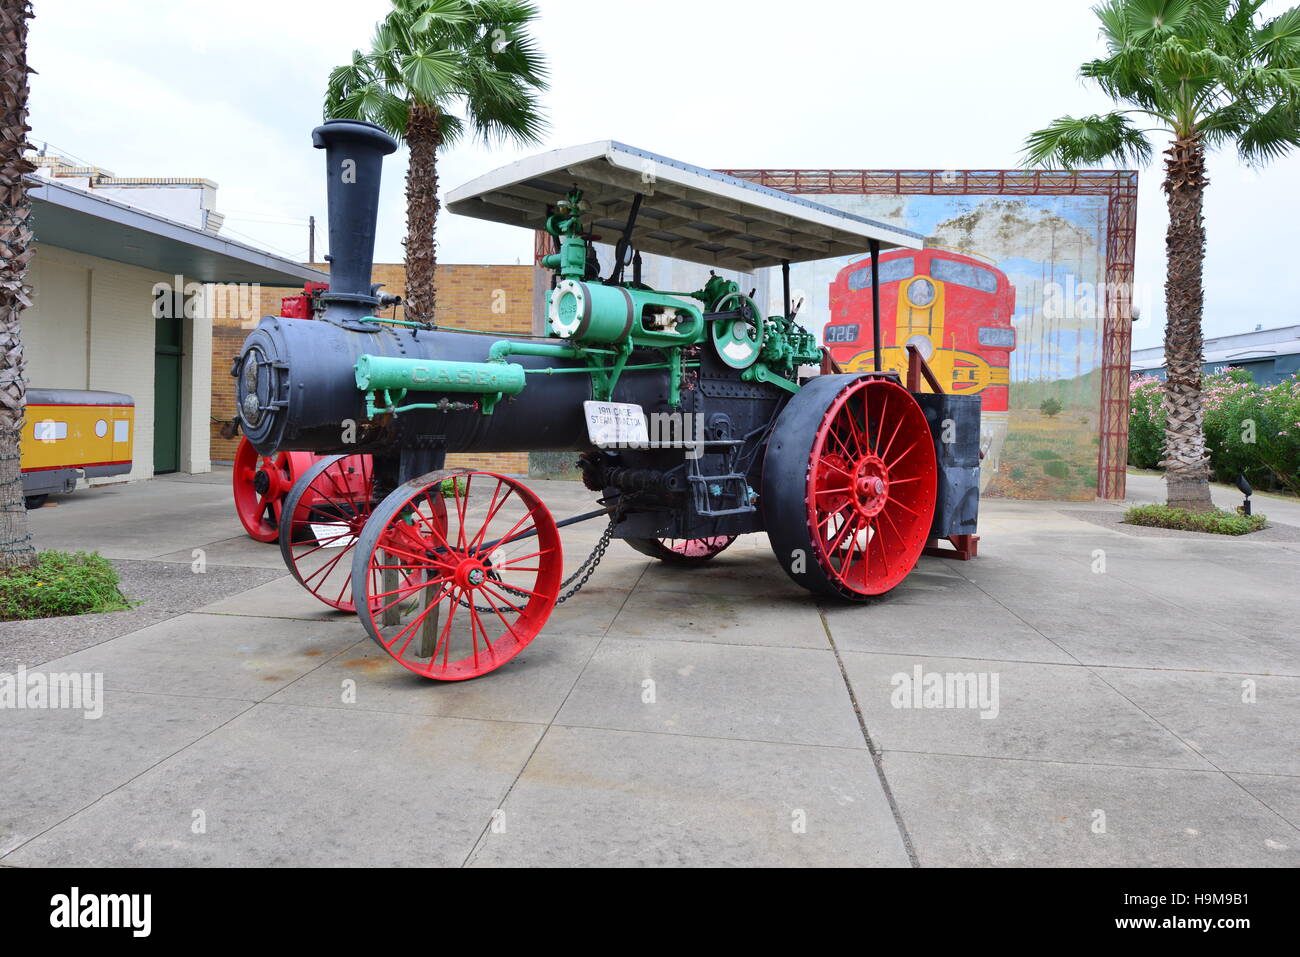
(131,779)
(1075,664)
(398,714)
(1173,604)
(1265,774)
(551,723)
(1063,761)
(1195,750)
(310,671)
(876,760)
(1212,769)
(1022,620)
(1092,669)
(1268,806)
(717,644)
(312,621)
(710,737)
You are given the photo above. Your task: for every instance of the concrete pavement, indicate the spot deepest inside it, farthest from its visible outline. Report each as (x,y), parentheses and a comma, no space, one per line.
(1087,696)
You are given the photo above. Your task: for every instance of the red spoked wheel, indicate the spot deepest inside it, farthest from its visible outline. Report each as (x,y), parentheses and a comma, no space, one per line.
(261,483)
(457,572)
(323,516)
(682,551)
(849,483)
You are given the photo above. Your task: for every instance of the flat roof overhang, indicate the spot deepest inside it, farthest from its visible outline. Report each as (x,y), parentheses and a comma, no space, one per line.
(79,221)
(687,212)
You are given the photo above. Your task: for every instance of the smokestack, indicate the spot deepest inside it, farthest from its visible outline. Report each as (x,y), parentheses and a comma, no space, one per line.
(354,162)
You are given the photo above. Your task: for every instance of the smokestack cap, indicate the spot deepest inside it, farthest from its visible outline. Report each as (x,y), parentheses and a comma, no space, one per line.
(334,132)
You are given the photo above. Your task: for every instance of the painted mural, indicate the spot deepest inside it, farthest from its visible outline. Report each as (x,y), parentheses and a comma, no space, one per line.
(1005,302)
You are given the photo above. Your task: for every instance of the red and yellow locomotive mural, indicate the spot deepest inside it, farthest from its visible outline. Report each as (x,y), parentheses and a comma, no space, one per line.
(956,309)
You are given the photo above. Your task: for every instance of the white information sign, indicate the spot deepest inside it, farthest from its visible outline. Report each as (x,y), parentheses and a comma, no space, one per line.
(616,425)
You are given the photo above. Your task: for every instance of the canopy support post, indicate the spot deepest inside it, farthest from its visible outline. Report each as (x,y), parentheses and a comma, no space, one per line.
(874,246)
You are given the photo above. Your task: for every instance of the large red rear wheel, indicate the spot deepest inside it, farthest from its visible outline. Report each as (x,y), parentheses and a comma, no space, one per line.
(261,483)
(457,572)
(322,519)
(849,485)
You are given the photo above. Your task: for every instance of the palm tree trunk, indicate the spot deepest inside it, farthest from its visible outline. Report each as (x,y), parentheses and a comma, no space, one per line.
(424,137)
(1187,463)
(16,549)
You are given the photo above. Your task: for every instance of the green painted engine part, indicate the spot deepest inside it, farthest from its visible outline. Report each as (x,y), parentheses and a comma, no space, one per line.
(593,312)
(387,380)
(384,373)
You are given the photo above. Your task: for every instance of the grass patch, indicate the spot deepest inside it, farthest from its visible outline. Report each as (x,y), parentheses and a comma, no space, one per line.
(58,585)
(1217,522)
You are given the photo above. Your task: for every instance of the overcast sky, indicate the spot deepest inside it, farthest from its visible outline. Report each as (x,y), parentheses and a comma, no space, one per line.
(230,91)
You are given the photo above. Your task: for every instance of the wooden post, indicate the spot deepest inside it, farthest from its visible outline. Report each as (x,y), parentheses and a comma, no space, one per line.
(392,614)
(429,627)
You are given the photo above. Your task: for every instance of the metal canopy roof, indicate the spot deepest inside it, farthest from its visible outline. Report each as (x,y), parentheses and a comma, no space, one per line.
(82,222)
(688,212)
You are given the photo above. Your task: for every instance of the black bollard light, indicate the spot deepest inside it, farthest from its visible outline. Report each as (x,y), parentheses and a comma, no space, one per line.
(1246,490)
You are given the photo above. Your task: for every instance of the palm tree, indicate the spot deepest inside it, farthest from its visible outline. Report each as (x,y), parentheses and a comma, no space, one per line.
(438,69)
(1206,73)
(16,549)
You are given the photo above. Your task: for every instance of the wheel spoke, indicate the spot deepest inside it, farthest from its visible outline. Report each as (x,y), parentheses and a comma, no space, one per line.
(904,455)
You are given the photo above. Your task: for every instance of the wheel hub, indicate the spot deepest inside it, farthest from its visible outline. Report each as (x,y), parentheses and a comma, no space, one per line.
(262,482)
(870,488)
(471,574)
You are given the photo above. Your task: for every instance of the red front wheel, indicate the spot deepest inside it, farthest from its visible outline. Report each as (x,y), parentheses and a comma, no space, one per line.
(457,572)
(260,484)
(321,520)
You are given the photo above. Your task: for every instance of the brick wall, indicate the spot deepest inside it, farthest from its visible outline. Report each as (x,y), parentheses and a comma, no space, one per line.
(486,298)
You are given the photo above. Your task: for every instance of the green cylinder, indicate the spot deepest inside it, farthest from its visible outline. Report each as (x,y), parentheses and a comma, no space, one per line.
(382,373)
(592,312)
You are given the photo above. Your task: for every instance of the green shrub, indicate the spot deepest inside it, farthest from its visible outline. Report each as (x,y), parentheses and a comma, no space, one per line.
(1146,428)
(1217,522)
(1057,469)
(1044,455)
(58,585)
(1050,408)
(454,488)
(1250,429)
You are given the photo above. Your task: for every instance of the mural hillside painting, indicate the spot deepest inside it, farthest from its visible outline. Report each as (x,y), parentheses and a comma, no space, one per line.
(1007,302)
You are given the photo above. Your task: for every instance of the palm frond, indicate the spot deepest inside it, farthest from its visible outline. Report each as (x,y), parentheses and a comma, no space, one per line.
(1158,18)
(1070,142)
(1271,135)
(472,57)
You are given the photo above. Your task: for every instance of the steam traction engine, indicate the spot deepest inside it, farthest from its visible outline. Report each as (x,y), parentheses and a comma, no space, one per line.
(454,572)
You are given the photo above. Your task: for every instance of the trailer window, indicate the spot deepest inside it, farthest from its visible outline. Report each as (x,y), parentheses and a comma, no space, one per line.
(892,271)
(50,431)
(964,274)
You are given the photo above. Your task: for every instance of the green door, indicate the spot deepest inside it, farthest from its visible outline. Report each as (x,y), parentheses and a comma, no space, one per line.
(167,395)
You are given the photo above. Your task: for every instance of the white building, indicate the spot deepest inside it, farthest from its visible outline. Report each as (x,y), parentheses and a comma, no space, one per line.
(100,264)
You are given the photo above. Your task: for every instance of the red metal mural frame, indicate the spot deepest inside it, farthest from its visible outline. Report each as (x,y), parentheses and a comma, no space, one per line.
(1120,187)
